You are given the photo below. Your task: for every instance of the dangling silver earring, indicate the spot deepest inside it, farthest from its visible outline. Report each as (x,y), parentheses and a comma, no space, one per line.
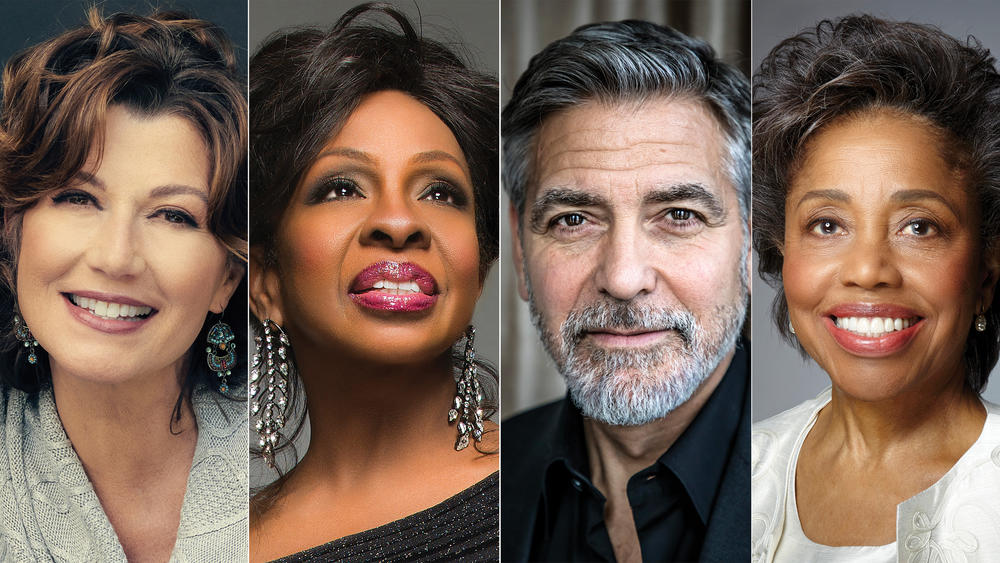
(23,334)
(269,387)
(981,322)
(468,406)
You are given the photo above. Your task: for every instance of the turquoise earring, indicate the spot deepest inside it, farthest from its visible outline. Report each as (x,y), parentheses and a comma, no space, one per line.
(221,353)
(24,335)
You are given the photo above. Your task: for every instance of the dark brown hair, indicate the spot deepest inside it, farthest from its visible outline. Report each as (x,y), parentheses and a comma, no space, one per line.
(858,64)
(55,99)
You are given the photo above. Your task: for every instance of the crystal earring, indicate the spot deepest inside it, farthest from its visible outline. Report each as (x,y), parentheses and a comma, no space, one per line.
(222,358)
(23,334)
(981,322)
(269,387)
(468,406)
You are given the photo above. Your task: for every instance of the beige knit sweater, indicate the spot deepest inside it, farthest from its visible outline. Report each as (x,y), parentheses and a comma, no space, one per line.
(48,508)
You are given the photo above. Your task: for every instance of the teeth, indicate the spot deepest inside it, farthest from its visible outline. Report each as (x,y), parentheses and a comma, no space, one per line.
(109,310)
(397,288)
(873,326)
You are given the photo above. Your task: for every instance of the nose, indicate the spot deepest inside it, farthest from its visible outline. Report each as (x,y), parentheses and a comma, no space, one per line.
(869,263)
(394,223)
(115,248)
(624,271)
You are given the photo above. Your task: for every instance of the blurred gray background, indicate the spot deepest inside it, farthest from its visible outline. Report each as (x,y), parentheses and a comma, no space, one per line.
(529,376)
(782,378)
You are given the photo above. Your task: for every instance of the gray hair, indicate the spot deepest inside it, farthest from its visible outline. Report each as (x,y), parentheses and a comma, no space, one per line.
(627,61)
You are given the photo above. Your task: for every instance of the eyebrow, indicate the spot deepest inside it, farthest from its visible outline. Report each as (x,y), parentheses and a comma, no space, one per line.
(902,196)
(909,196)
(566,197)
(166,190)
(688,192)
(353,154)
(435,156)
(833,195)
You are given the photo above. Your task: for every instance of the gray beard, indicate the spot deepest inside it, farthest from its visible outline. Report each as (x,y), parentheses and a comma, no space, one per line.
(637,386)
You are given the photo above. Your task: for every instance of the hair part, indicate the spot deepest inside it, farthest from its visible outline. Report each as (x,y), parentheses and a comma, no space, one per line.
(856,65)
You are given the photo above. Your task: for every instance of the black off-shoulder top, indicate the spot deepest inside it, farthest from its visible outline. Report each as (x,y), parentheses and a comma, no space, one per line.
(463,528)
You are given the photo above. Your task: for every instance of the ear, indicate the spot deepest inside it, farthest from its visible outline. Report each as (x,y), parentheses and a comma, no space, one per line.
(265,289)
(233,275)
(991,273)
(515,233)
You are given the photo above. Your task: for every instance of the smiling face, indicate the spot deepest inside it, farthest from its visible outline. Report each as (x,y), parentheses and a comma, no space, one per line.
(377,251)
(117,271)
(630,251)
(883,267)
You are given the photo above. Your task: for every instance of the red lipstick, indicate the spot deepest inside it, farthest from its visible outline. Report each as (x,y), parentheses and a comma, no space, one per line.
(394,286)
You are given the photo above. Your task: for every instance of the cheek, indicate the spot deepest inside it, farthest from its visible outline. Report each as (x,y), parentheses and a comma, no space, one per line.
(312,249)
(557,277)
(460,250)
(47,250)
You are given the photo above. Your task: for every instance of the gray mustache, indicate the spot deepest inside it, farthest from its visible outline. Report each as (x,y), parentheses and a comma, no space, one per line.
(626,316)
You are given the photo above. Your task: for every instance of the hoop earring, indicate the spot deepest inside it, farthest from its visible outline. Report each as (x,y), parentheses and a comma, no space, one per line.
(220,336)
(269,387)
(468,405)
(23,334)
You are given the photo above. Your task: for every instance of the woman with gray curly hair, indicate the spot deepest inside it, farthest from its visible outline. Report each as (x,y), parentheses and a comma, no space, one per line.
(876,148)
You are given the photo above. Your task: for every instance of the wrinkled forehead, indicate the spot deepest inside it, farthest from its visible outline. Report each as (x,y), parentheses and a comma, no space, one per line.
(632,147)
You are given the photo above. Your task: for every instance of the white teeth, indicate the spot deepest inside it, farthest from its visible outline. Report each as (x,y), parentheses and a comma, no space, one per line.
(397,288)
(872,326)
(109,310)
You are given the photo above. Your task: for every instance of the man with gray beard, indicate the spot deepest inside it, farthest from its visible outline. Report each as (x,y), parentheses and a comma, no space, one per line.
(626,159)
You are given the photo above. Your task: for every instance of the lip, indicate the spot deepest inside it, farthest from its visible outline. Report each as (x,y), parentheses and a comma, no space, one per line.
(110,326)
(626,339)
(363,291)
(872,346)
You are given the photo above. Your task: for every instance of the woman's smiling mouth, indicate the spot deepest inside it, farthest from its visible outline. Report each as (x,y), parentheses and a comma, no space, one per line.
(108,313)
(872,330)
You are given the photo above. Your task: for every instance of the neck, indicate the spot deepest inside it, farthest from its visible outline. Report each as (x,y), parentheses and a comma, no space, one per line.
(124,432)
(618,452)
(366,417)
(931,412)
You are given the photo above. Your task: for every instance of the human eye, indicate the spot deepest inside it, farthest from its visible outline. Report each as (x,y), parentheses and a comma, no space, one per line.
(920,228)
(568,221)
(75,198)
(444,193)
(683,221)
(176,217)
(825,227)
(336,188)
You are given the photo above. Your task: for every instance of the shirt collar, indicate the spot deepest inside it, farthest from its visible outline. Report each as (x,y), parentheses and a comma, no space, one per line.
(698,458)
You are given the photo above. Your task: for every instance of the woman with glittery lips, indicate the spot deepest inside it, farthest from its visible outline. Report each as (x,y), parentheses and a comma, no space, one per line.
(122,417)
(879,228)
(374,224)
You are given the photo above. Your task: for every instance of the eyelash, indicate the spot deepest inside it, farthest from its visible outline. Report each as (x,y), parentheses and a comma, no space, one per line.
(327,190)
(561,221)
(79,198)
(817,227)
(74,197)
(692,221)
(457,196)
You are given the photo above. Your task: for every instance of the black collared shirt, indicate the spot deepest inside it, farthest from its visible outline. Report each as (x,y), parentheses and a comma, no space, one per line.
(672,500)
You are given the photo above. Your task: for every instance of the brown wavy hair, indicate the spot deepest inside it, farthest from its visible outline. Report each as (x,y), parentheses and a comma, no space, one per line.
(56,97)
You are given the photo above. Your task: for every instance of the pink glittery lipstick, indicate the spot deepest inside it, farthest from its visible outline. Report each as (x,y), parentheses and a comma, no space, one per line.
(395,287)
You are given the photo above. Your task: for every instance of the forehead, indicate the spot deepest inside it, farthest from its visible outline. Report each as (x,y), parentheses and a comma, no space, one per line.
(877,152)
(663,140)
